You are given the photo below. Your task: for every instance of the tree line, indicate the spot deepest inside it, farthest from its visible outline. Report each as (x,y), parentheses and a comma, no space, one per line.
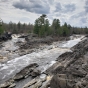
(17,28)
(43,28)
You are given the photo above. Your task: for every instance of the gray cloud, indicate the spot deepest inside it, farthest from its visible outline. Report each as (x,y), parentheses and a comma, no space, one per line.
(83,20)
(3,0)
(69,7)
(78,15)
(38,7)
(73,12)
(86,6)
(51,1)
(58,7)
(65,8)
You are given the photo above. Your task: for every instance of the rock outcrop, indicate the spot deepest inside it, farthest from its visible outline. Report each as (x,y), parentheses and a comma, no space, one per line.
(71,70)
(30,70)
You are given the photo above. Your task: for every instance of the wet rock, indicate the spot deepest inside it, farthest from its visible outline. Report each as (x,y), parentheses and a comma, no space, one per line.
(3,59)
(5,36)
(37,85)
(13,85)
(8,84)
(5,85)
(46,84)
(30,83)
(29,70)
(23,36)
(18,77)
(35,73)
(43,79)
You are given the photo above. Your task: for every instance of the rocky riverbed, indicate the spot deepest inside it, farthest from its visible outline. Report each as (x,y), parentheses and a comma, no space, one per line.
(23,44)
(23,69)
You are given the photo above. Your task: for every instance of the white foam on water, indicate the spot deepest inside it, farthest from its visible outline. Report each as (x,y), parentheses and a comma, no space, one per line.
(4,76)
(15,36)
(10,72)
(4,67)
(52,62)
(73,42)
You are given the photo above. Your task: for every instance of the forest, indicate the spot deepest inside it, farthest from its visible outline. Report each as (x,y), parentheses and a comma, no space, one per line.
(42,28)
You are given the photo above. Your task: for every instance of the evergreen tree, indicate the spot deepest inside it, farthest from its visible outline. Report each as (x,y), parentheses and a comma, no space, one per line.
(56,27)
(47,28)
(41,26)
(65,29)
(1,29)
(36,27)
(19,25)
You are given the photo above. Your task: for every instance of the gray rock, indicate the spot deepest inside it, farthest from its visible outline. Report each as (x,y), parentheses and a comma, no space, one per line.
(35,73)
(18,77)
(29,70)
(61,81)
(79,73)
(13,85)
(37,85)
(30,83)
(5,85)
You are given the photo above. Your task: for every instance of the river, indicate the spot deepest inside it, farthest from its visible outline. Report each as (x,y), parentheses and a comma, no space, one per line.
(44,58)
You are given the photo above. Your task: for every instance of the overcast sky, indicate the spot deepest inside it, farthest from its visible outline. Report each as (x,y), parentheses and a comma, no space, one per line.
(74,12)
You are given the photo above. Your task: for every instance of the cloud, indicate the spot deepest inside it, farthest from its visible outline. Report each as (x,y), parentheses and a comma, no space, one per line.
(73,12)
(78,15)
(69,8)
(4,0)
(83,20)
(65,8)
(50,1)
(86,6)
(34,6)
(58,7)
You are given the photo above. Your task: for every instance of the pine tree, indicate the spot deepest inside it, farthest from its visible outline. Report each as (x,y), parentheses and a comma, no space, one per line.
(56,27)
(41,27)
(1,29)
(65,29)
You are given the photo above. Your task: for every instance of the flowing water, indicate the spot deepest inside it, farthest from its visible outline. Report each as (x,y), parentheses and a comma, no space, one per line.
(44,58)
